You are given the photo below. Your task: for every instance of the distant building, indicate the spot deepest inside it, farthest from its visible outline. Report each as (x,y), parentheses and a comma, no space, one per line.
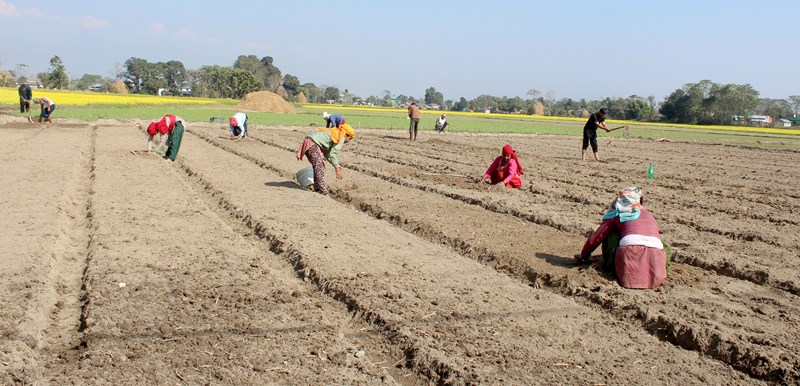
(759,120)
(784,123)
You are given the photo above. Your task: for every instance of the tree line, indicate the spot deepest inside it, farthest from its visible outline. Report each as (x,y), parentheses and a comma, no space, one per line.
(704,102)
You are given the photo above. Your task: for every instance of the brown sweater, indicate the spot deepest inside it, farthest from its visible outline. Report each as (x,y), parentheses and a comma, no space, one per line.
(413,112)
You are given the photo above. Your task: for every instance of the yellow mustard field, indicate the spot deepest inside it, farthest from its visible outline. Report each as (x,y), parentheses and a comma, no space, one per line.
(9,96)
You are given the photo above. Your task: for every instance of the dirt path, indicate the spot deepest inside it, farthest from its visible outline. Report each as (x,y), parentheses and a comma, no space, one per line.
(218,269)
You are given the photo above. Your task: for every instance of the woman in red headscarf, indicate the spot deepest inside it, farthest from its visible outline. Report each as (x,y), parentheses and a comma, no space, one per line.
(505,169)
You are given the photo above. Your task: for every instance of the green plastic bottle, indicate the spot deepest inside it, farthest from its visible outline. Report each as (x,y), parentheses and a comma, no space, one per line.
(650,172)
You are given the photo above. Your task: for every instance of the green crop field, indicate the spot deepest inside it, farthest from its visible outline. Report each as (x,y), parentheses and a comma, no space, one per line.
(92,106)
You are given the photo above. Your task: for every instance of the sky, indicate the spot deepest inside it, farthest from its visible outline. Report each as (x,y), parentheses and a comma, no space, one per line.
(576,49)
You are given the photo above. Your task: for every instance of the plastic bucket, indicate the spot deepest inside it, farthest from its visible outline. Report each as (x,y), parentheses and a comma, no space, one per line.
(305,177)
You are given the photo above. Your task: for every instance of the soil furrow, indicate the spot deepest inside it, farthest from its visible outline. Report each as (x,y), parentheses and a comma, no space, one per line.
(398,274)
(44,251)
(576,222)
(176,295)
(757,361)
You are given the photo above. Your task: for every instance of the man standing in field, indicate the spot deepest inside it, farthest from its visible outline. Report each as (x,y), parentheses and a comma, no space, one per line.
(590,133)
(25,95)
(413,114)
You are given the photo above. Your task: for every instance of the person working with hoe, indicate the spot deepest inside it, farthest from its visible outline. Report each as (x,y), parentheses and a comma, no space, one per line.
(596,120)
(632,246)
(238,126)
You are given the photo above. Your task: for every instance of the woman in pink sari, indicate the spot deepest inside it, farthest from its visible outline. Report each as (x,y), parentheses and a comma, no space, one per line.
(505,169)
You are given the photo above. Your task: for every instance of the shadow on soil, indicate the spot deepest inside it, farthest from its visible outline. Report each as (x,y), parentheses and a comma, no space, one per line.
(283,184)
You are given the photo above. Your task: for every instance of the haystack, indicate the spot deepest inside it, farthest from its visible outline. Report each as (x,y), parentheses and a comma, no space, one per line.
(118,87)
(301,98)
(282,92)
(582,113)
(537,108)
(265,101)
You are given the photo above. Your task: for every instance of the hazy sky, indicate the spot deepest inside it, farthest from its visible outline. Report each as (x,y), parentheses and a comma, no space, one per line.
(577,49)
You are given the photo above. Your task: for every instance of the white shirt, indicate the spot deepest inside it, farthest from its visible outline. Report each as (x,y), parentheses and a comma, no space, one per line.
(240,118)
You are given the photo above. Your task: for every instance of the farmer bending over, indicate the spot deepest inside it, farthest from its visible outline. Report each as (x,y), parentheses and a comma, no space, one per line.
(238,123)
(632,246)
(47,108)
(164,127)
(332,120)
(325,143)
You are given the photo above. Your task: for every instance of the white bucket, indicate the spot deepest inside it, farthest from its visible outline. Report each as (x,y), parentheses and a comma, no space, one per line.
(305,177)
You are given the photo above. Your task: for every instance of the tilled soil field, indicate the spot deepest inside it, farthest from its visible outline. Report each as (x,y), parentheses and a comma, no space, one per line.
(217,269)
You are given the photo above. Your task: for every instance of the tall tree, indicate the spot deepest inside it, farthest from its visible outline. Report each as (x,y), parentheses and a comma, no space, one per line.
(433,97)
(292,86)
(312,92)
(794,100)
(461,105)
(137,69)
(331,94)
(58,74)
(174,75)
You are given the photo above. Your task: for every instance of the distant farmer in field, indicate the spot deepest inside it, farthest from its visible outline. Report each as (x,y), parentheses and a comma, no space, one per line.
(506,169)
(632,246)
(441,123)
(47,108)
(25,95)
(413,114)
(166,128)
(238,126)
(332,120)
(325,143)
(596,120)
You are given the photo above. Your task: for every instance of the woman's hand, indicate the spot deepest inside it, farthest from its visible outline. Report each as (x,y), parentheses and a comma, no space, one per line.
(339,175)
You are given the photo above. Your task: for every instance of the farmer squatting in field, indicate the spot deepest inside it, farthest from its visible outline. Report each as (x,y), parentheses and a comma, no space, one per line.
(327,143)
(632,246)
(47,108)
(441,124)
(165,127)
(238,126)
(506,169)
(332,120)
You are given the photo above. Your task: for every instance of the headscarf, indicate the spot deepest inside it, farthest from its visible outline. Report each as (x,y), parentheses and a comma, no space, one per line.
(626,205)
(508,150)
(232,121)
(338,133)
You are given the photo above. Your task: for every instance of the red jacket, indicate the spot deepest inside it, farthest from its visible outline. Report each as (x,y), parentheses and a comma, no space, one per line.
(645,225)
(164,126)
